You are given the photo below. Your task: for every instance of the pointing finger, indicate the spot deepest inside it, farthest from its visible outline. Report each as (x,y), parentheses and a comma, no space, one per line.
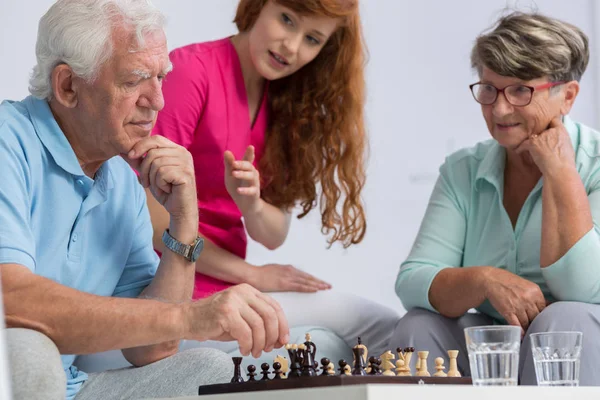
(249,154)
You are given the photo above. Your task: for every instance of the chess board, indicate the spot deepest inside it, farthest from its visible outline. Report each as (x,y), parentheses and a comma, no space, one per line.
(325,381)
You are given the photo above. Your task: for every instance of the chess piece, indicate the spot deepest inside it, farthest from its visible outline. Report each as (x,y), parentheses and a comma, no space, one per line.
(310,346)
(453,368)
(347,370)
(325,366)
(295,365)
(237,372)
(277,370)
(330,369)
(365,350)
(251,373)
(373,366)
(344,368)
(439,366)
(405,356)
(386,363)
(265,371)
(285,366)
(401,370)
(359,364)
(422,364)
(308,363)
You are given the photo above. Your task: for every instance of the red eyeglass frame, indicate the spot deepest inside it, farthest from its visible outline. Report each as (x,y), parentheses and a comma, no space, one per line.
(498,91)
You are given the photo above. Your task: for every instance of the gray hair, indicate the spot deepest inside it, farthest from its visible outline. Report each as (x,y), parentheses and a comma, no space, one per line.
(529,46)
(78,33)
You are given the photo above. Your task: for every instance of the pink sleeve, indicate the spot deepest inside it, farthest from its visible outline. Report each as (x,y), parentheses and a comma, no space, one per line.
(184,90)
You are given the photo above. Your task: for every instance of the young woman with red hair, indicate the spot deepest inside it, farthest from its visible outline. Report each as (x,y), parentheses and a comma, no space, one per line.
(269,114)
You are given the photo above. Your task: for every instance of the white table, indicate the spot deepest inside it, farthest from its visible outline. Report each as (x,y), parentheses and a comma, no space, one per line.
(414,392)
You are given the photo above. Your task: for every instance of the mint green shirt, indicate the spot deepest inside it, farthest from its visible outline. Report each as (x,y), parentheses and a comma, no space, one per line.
(466,225)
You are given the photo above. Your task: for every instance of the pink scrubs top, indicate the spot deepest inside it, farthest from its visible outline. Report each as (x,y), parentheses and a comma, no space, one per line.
(206,111)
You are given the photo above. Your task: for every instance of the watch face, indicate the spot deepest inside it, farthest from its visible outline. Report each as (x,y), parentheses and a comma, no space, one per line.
(197,249)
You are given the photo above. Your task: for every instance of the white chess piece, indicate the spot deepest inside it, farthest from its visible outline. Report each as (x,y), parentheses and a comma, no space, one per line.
(439,366)
(423,363)
(453,368)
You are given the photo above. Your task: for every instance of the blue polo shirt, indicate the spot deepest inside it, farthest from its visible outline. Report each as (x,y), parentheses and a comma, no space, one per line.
(466,225)
(93,235)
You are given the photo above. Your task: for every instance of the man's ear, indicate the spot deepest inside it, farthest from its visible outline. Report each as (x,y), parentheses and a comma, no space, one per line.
(570,92)
(64,86)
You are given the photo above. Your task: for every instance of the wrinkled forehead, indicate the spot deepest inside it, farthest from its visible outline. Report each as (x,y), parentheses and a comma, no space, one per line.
(148,53)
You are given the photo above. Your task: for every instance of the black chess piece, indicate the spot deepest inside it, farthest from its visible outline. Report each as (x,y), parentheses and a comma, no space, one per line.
(295,365)
(359,365)
(265,371)
(308,363)
(310,346)
(342,364)
(325,364)
(251,373)
(375,363)
(372,365)
(277,370)
(237,373)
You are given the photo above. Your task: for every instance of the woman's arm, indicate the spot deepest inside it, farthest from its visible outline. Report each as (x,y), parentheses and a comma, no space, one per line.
(430,279)
(570,245)
(267,224)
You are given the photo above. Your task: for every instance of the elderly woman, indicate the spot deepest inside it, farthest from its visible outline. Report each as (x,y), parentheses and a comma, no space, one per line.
(511,228)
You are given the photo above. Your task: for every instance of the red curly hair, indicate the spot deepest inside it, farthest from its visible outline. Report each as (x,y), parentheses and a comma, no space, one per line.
(316,134)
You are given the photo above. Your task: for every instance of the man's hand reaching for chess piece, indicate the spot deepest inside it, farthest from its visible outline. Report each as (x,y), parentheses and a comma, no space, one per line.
(239,313)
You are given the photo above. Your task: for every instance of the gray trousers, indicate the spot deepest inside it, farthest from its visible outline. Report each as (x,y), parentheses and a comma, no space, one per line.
(37,372)
(426,330)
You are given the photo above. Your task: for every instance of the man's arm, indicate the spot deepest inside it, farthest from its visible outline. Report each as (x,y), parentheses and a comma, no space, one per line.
(166,169)
(82,323)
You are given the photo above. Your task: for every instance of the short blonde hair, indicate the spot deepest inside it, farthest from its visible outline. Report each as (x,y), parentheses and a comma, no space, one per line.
(529,46)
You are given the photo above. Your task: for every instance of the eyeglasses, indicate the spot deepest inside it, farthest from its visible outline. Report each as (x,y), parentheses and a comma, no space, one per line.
(517,95)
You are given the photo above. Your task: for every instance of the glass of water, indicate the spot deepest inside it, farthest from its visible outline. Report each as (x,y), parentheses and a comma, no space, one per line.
(494,354)
(556,357)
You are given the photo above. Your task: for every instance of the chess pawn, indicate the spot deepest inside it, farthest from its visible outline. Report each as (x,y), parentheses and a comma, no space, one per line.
(265,371)
(237,371)
(373,366)
(401,369)
(453,368)
(277,370)
(251,373)
(423,364)
(439,366)
(285,366)
(344,368)
(330,369)
(325,362)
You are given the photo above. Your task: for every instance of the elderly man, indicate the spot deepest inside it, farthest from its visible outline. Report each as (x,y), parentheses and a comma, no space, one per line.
(75,234)
(512,224)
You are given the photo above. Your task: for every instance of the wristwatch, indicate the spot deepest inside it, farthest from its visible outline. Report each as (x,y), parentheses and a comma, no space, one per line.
(189,251)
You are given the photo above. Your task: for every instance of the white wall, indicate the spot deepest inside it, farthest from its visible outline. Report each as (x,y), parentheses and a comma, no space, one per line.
(419,109)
